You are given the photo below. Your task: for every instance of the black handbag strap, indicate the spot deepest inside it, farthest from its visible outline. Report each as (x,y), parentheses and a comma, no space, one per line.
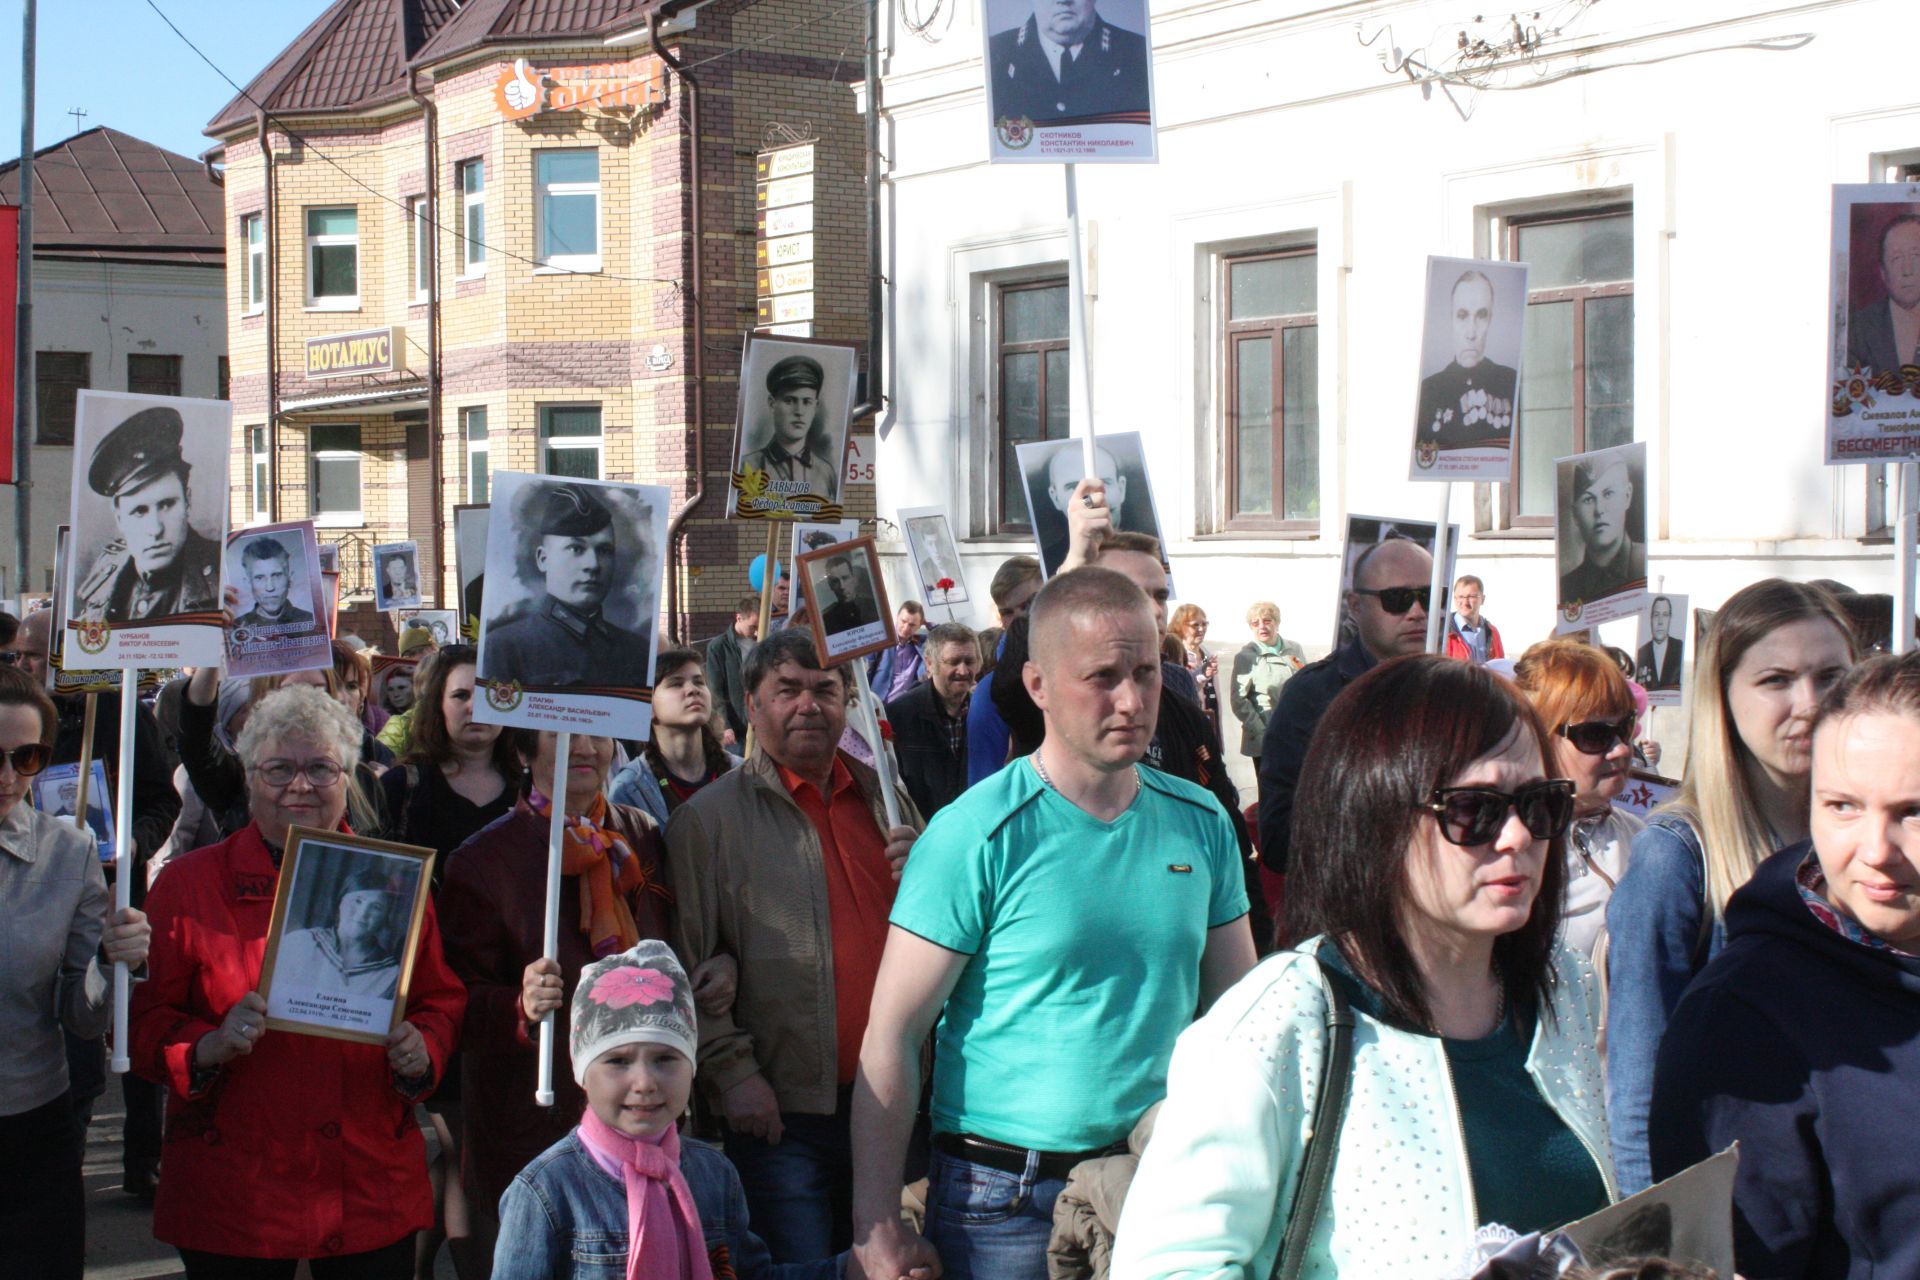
(1323,1140)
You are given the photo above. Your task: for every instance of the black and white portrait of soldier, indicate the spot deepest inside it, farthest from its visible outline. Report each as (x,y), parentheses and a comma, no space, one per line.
(849,591)
(572,584)
(396,576)
(355,937)
(267,574)
(1052,469)
(935,558)
(1884,333)
(1602,525)
(143,560)
(1067,61)
(1474,316)
(1660,659)
(794,400)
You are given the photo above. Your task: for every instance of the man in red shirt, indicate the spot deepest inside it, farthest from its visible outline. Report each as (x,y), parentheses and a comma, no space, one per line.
(787,864)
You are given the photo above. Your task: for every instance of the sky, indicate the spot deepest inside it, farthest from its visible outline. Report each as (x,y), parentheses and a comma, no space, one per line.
(118,61)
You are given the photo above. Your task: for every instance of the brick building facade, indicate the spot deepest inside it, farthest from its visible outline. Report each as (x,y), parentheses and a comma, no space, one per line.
(503,192)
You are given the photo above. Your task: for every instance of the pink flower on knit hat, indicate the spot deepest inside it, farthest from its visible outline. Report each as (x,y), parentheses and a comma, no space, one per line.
(622,987)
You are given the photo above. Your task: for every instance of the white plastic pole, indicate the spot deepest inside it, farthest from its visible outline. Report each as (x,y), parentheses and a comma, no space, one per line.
(123,857)
(1903,562)
(1080,379)
(550,936)
(882,763)
(1437,585)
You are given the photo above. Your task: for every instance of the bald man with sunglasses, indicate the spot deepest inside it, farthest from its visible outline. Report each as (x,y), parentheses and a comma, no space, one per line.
(1388,606)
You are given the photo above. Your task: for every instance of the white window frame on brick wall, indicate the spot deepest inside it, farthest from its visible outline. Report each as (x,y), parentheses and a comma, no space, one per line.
(473,217)
(583,444)
(259,473)
(479,453)
(333,240)
(420,247)
(253,238)
(355,455)
(543,190)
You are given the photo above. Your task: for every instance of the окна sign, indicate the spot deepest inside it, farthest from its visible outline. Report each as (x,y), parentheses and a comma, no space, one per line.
(343,355)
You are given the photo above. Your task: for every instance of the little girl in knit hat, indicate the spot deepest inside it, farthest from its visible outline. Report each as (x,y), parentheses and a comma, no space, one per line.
(624,1194)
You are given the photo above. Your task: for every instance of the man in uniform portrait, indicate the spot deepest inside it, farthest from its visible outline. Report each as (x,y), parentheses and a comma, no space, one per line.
(1470,402)
(1613,561)
(268,569)
(1882,336)
(358,954)
(853,604)
(565,639)
(1657,665)
(799,447)
(1066,63)
(160,565)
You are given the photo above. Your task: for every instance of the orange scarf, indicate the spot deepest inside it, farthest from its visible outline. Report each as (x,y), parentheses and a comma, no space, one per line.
(608,872)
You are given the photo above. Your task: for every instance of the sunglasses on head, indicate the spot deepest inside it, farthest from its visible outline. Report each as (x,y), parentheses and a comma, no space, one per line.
(29,759)
(1474,815)
(1397,600)
(1596,737)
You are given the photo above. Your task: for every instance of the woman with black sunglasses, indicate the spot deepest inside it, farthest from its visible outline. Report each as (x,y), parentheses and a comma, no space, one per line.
(1774,649)
(1588,708)
(1427,879)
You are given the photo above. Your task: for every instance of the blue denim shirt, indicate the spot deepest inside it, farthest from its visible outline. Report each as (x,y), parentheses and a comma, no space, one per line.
(1654,928)
(565,1218)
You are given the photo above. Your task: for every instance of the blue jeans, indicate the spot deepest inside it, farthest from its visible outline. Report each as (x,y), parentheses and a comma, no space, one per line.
(800,1190)
(989,1224)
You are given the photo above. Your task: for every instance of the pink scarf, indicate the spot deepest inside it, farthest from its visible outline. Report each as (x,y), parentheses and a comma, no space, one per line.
(664,1239)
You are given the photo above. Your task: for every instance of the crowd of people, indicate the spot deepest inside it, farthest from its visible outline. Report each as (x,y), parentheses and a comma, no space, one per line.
(1018,989)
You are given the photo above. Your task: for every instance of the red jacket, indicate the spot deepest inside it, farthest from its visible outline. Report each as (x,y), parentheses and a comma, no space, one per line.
(1457,645)
(303,1148)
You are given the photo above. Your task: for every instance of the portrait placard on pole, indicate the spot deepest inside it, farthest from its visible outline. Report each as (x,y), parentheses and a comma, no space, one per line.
(149,518)
(1660,661)
(847,597)
(935,557)
(568,614)
(469,564)
(280,622)
(1069,83)
(811,535)
(1600,536)
(396,576)
(790,443)
(1471,353)
(1873,324)
(1050,471)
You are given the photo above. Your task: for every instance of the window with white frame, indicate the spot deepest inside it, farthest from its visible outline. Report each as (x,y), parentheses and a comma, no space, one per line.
(335,450)
(570,440)
(567,209)
(473,217)
(1271,397)
(473,429)
(253,232)
(420,246)
(258,473)
(333,259)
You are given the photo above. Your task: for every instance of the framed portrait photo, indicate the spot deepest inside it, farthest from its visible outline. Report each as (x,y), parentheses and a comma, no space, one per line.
(1094,106)
(790,441)
(1600,536)
(847,597)
(1660,659)
(56,793)
(933,554)
(149,504)
(346,925)
(1052,469)
(1873,391)
(396,576)
(282,621)
(1471,354)
(470,564)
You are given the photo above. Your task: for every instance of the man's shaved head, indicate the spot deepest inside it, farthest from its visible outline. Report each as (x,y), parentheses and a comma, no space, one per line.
(1074,597)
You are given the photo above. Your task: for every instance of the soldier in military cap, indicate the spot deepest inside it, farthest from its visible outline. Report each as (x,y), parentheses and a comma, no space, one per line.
(1470,402)
(1066,63)
(268,568)
(799,446)
(159,566)
(565,639)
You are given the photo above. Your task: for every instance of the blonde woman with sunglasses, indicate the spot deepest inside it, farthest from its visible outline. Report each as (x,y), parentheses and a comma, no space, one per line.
(1775,649)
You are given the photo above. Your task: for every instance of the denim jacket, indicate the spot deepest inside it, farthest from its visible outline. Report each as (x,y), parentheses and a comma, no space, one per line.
(1654,926)
(565,1218)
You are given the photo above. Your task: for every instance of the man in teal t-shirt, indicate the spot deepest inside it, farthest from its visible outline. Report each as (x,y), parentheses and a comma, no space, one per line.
(1067,916)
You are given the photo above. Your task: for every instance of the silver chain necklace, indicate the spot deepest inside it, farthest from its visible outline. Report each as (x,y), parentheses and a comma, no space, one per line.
(1041,769)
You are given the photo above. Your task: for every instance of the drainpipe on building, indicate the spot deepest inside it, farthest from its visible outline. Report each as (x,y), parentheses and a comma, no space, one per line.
(432,134)
(271,233)
(876,299)
(696,365)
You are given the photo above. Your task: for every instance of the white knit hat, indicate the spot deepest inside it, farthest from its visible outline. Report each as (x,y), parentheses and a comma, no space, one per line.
(639,996)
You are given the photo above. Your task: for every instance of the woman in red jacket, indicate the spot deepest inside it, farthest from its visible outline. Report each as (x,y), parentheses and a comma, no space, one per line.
(280,1146)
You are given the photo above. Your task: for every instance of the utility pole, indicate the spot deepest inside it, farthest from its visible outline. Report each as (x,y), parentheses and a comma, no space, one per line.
(23,325)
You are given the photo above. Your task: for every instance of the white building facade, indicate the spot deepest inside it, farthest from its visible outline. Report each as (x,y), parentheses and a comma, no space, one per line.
(1255,298)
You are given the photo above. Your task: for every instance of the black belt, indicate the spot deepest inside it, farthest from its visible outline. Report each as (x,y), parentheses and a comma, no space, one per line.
(1010,1159)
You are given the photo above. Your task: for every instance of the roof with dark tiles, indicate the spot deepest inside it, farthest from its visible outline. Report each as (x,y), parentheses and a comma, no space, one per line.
(107,195)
